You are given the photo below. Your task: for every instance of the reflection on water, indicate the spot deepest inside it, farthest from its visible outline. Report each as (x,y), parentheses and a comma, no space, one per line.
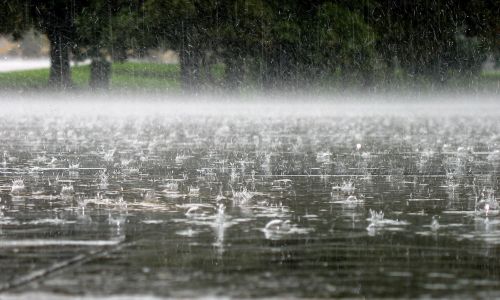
(248,206)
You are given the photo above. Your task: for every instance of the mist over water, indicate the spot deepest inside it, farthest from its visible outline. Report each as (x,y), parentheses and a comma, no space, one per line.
(273,104)
(359,195)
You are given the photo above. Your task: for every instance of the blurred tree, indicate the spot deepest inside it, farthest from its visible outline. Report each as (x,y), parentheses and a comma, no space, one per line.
(284,45)
(482,26)
(181,25)
(55,18)
(276,43)
(317,40)
(31,44)
(343,45)
(106,30)
(436,38)
(241,34)
(15,18)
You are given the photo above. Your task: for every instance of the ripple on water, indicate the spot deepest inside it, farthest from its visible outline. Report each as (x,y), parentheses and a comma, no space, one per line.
(250,206)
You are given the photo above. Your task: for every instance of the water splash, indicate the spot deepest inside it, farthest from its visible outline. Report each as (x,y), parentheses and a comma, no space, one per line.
(18,186)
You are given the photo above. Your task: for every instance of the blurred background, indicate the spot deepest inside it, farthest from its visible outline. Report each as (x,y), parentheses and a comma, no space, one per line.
(250,45)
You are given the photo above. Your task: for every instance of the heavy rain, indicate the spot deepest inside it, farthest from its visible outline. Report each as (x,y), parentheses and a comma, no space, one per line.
(249,149)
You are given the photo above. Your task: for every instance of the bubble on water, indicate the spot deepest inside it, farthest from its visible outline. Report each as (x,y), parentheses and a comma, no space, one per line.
(200,211)
(278,226)
(277,229)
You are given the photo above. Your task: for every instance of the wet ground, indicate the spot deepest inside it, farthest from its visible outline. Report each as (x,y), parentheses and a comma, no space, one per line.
(249,205)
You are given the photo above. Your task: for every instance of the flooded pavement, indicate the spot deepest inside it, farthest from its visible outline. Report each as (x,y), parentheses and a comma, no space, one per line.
(250,205)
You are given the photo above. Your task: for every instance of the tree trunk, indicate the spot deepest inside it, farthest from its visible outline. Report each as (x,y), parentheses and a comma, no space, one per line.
(100,73)
(190,70)
(60,73)
(233,76)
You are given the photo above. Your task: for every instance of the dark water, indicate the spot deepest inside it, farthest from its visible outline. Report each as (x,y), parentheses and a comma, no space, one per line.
(241,206)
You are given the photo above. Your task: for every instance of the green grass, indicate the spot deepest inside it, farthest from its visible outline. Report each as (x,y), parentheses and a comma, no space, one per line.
(128,75)
(142,76)
(148,76)
(491,76)
(24,79)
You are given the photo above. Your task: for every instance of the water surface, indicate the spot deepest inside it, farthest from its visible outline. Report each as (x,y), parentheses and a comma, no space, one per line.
(191,201)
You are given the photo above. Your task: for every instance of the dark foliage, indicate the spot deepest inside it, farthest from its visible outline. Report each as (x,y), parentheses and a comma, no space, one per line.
(272,44)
